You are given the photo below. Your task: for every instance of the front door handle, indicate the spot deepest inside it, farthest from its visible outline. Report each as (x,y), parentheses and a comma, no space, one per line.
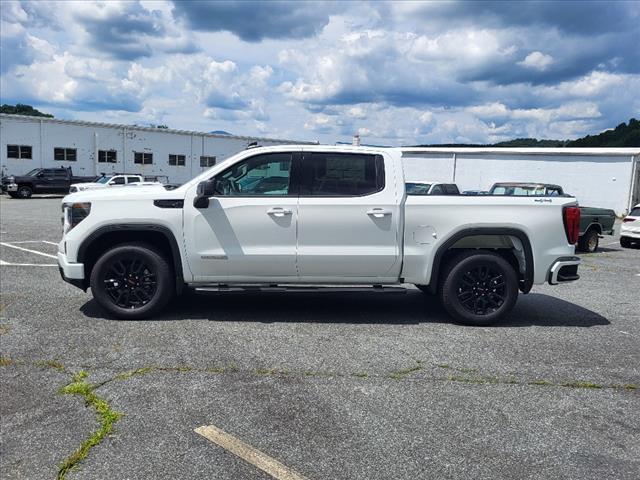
(379,212)
(278,211)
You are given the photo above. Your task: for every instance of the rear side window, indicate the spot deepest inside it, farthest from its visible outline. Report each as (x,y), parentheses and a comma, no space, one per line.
(133,179)
(342,174)
(451,189)
(635,212)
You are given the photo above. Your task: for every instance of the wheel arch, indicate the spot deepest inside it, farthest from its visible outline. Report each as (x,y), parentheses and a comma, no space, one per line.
(446,251)
(108,236)
(593,226)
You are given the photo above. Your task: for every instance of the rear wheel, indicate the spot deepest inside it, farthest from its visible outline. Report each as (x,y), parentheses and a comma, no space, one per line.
(132,281)
(589,241)
(478,288)
(24,191)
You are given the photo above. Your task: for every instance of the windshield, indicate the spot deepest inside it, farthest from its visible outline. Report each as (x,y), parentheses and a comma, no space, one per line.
(417,188)
(103,179)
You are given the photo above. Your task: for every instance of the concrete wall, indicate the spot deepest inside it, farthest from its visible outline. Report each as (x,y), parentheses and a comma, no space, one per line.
(43,136)
(595,180)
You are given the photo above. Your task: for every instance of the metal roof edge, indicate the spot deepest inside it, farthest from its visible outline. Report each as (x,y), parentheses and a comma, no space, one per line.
(147,129)
(624,151)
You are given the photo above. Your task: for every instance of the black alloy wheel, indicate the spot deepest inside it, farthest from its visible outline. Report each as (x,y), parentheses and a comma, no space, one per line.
(478,287)
(133,281)
(482,290)
(130,282)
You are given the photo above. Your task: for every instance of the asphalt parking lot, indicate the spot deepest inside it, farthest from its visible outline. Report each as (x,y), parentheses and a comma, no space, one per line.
(330,385)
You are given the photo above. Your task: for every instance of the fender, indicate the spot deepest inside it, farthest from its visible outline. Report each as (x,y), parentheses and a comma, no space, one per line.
(138,227)
(525,285)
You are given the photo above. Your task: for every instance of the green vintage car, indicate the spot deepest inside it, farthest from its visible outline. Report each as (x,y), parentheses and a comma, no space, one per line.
(594,222)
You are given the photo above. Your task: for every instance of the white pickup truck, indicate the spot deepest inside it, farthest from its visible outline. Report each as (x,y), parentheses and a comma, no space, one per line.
(291,215)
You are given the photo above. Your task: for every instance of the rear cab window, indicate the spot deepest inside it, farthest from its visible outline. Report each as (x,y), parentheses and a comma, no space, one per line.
(341,174)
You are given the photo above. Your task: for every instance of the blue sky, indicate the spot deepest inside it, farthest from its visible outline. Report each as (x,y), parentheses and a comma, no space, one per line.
(397,73)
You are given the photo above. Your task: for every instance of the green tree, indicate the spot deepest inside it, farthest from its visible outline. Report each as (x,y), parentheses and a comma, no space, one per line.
(22,109)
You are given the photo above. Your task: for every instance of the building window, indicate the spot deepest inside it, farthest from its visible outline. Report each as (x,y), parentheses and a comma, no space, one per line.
(107,156)
(143,158)
(19,151)
(64,154)
(177,160)
(207,161)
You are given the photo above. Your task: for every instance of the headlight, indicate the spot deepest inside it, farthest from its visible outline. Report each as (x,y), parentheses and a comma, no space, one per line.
(73,214)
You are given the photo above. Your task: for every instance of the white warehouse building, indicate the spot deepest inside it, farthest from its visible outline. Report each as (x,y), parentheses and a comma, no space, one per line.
(92,148)
(598,177)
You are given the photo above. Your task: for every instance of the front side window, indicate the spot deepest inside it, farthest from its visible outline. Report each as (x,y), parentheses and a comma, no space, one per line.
(437,190)
(143,158)
(267,174)
(342,174)
(107,156)
(117,181)
(65,154)
(177,160)
(22,152)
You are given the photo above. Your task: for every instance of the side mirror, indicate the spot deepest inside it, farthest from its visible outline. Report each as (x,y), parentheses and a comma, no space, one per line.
(205,190)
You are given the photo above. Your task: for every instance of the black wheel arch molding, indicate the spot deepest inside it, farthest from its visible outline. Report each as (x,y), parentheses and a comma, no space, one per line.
(94,236)
(525,284)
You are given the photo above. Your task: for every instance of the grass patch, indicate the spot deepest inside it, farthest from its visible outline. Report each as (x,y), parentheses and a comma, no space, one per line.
(629,386)
(400,374)
(578,384)
(541,382)
(266,372)
(133,373)
(443,365)
(107,417)
(5,361)
(361,375)
(51,364)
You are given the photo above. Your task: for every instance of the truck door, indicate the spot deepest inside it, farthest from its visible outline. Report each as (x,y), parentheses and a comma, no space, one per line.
(348,217)
(248,231)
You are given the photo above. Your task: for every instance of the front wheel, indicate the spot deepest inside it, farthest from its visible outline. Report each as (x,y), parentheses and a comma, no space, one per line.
(625,242)
(478,288)
(132,281)
(24,192)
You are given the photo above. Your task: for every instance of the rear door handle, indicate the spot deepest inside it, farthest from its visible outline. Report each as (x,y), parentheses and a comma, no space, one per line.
(379,212)
(278,211)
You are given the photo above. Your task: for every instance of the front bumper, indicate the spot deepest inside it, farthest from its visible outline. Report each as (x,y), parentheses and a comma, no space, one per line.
(9,187)
(630,234)
(72,273)
(563,270)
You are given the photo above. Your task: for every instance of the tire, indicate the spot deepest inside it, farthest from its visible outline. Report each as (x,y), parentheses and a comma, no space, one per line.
(589,241)
(466,284)
(625,242)
(24,191)
(118,285)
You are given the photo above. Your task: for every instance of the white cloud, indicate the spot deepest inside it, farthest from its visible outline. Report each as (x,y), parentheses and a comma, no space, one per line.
(537,61)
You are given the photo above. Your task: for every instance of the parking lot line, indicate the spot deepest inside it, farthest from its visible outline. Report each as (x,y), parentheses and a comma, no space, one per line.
(50,243)
(249,454)
(4,244)
(9,264)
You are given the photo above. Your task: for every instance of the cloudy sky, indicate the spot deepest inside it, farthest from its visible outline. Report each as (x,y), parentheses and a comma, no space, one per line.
(397,73)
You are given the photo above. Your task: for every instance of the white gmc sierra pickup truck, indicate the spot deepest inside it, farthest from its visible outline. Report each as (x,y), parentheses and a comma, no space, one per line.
(314,215)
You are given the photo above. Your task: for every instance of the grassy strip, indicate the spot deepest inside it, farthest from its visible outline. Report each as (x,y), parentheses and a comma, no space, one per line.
(107,417)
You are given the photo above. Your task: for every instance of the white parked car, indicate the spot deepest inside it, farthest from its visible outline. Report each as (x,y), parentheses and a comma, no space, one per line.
(630,229)
(431,188)
(287,215)
(106,181)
